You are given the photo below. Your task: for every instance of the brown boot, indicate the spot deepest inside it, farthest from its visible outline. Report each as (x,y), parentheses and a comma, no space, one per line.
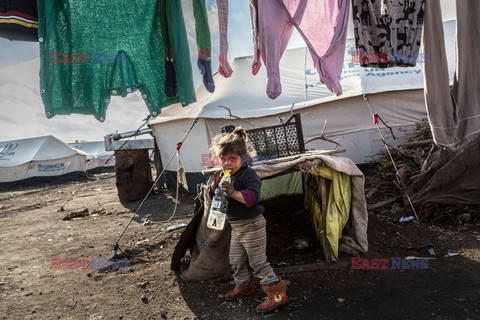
(276,296)
(239,292)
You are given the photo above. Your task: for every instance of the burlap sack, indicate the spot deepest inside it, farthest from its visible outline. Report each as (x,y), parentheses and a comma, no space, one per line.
(209,257)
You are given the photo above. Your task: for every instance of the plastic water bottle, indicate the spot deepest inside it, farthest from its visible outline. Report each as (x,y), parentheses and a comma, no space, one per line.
(219,206)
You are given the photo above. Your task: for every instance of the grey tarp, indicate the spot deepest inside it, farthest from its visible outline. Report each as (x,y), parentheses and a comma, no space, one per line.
(355,237)
(454,115)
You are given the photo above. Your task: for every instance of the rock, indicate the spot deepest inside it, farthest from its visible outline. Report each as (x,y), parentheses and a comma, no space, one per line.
(144,299)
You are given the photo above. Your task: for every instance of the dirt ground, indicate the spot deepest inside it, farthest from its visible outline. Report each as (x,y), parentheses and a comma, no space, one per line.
(33,230)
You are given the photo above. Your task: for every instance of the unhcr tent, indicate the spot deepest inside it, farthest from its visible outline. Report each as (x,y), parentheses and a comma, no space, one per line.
(38,159)
(98,158)
(395,94)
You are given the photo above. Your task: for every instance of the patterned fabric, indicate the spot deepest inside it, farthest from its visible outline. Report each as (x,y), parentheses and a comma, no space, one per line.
(222,7)
(388,33)
(249,242)
(224,68)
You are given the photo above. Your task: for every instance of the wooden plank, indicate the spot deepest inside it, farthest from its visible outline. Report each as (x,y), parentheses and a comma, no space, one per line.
(383,203)
(417,143)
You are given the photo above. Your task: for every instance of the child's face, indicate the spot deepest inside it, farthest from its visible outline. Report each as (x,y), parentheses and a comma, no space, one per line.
(231,162)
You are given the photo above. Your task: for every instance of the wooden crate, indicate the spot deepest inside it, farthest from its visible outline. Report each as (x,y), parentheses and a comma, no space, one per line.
(133,174)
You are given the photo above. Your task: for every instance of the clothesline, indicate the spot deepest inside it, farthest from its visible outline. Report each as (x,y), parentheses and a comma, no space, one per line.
(151,44)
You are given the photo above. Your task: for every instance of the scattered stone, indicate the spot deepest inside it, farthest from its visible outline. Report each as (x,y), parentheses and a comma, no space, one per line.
(95,316)
(163,314)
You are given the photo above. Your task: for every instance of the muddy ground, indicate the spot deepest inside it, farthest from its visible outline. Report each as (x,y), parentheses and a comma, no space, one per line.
(33,230)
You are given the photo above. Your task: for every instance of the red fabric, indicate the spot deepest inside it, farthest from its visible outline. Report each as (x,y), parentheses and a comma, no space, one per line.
(18,14)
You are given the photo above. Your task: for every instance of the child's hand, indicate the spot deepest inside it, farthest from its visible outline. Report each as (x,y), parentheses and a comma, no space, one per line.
(216,179)
(228,188)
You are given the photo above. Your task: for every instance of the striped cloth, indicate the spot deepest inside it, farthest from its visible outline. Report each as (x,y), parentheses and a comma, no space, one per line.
(224,68)
(19,20)
(222,8)
(249,241)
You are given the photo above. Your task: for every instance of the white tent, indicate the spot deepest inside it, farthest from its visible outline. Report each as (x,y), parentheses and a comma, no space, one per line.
(98,156)
(396,95)
(40,157)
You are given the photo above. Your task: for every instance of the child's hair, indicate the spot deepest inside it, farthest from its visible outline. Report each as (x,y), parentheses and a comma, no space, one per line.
(235,142)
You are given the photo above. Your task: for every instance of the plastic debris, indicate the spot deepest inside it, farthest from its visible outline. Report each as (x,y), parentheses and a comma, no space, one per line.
(406,219)
(176,226)
(465,217)
(430,249)
(301,243)
(146,217)
(148,222)
(452,254)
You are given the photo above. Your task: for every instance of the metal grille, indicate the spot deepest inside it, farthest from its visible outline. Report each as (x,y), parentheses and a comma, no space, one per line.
(280,140)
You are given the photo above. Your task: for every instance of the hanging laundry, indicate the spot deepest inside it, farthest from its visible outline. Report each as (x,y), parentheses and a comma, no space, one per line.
(170,76)
(19,20)
(224,68)
(322,25)
(89,54)
(388,33)
(257,58)
(178,77)
(454,115)
(202,31)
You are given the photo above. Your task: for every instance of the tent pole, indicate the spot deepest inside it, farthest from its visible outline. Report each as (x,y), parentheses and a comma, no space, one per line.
(179,145)
(397,174)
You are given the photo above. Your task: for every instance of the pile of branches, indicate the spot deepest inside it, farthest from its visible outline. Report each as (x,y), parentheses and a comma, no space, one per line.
(385,191)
